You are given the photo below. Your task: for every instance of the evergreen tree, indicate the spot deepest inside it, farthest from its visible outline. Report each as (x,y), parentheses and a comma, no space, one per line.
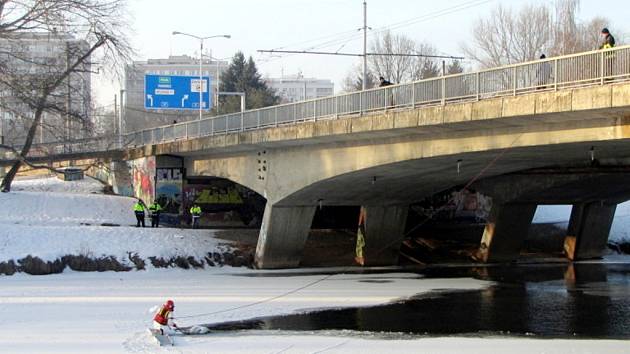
(243,76)
(455,67)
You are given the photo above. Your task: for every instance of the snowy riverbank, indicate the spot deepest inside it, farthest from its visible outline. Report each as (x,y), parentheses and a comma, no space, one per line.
(47,224)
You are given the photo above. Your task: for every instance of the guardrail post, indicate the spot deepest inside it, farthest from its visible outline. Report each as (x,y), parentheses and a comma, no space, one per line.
(258,119)
(555,75)
(360,103)
(601,65)
(294,113)
(443,91)
(242,121)
(478,84)
(212,126)
(336,107)
(514,81)
(186,130)
(315,110)
(413,95)
(275,114)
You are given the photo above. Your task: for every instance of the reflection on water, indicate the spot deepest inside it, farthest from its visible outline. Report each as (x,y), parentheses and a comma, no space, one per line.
(574,301)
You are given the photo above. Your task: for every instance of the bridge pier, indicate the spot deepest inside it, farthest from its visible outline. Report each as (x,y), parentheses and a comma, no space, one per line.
(283,234)
(505,232)
(384,231)
(589,227)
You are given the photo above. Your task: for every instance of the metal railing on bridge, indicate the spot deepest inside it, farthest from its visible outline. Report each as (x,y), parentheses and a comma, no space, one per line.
(583,69)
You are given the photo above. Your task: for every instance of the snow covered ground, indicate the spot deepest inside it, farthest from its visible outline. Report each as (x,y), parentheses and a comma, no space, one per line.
(49,218)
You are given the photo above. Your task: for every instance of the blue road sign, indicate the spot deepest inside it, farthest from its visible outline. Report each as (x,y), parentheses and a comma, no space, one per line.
(176,92)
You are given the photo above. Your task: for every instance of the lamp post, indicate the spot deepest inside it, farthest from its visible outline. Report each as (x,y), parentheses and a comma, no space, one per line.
(201,39)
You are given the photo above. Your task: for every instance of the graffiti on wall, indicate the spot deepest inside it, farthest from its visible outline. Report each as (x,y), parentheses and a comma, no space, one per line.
(224,203)
(168,189)
(143,175)
(455,204)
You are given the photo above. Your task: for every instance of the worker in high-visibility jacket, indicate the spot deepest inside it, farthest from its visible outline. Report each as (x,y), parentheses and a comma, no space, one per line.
(138,209)
(163,319)
(155,210)
(195,212)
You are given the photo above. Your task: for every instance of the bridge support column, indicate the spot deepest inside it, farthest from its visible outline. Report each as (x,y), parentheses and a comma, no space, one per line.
(384,231)
(505,232)
(282,236)
(588,230)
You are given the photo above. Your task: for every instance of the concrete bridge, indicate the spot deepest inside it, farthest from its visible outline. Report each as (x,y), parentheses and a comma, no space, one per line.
(522,137)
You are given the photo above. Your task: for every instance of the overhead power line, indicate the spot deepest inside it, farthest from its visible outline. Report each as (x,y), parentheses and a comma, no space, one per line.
(344,37)
(360,55)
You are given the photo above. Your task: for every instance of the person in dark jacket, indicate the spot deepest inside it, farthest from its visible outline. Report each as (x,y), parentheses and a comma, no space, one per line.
(609,40)
(383,82)
(609,58)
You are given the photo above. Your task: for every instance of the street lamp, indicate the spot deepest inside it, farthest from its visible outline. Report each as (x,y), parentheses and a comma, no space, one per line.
(201,39)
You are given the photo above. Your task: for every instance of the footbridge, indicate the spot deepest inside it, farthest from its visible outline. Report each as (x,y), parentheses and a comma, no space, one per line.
(553,131)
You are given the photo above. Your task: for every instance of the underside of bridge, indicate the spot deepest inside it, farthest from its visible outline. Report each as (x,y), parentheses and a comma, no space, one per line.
(592,176)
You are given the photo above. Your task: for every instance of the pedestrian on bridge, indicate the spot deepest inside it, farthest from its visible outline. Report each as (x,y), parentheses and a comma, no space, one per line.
(155,210)
(609,40)
(609,58)
(195,213)
(383,82)
(138,209)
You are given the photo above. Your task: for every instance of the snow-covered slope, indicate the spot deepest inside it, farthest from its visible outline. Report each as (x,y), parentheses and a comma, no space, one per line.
(49,218)
(53,184)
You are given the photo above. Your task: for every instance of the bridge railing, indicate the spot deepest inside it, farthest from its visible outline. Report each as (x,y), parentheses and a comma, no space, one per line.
(582,69)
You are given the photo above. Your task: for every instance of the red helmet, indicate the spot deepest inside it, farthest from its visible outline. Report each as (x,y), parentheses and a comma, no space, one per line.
(170,305)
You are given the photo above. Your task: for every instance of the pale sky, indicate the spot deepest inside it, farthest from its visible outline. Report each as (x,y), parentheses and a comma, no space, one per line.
(303,24)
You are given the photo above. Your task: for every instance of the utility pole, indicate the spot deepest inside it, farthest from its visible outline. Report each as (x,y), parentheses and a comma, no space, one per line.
(120,118)
(115,114)
(68,97)
(364,45)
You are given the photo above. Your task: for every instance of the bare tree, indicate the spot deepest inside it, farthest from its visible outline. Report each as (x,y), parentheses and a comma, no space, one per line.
(507,37)
(354,79)
(32,85)
(395,68)
(399,69)
(572,36)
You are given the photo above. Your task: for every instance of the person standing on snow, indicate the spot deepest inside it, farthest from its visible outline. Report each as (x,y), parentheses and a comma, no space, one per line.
(138,209)
(163,319)
(155,209)
(195,212)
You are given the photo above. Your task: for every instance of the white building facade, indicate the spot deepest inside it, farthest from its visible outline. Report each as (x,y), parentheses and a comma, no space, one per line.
(298,88)
(35,56)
